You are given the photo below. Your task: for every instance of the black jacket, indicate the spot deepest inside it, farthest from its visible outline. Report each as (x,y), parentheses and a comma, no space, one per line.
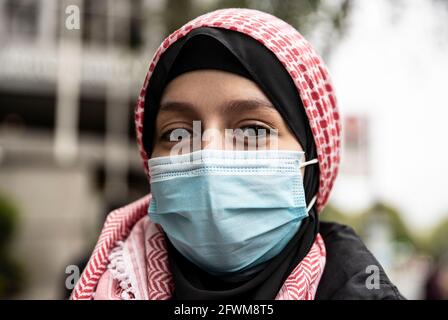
(346,272)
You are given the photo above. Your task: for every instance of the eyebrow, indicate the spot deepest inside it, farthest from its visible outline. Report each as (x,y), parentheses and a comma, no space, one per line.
(232,106)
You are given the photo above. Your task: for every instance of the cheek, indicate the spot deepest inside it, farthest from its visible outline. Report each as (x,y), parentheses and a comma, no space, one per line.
(289,142)
(159,151)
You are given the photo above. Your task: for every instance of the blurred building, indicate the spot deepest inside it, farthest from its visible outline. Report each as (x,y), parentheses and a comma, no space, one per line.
(67,147)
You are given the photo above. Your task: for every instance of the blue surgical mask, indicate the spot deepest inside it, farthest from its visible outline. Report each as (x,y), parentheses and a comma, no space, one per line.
(228,211)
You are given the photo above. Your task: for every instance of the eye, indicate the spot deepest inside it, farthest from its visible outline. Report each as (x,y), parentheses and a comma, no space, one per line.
(175,134)
(254,130)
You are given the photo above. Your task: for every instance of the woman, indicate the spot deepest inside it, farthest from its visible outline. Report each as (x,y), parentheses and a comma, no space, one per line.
(227,218)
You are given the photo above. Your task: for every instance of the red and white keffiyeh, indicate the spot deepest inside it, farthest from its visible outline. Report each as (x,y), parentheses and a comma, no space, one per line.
(130,257)
(130,261)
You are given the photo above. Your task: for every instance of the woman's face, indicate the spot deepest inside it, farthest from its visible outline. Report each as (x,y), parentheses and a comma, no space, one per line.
(219,100)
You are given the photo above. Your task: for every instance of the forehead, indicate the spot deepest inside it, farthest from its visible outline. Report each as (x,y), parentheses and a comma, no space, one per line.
(211,86)
(209,93)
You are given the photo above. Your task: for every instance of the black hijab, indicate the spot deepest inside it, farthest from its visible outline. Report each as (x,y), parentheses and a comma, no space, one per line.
(220,49)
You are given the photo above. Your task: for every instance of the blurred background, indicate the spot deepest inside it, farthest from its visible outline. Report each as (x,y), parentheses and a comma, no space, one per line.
(68,154)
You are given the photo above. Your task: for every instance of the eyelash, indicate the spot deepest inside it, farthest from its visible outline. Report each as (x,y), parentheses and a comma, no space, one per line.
(256,127)
(165,136)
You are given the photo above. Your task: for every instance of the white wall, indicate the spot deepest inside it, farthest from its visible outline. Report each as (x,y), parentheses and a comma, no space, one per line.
(59,215)
(393,66)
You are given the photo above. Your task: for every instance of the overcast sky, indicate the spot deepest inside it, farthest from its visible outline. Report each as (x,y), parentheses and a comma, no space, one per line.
(393,66)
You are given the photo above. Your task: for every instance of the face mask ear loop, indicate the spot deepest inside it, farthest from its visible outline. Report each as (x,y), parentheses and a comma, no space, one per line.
(303,164)
(312,202)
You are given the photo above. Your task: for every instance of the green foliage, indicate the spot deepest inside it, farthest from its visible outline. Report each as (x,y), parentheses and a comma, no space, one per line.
(333,214)
(8,220)
(399,229)
(437,242)
(303,15)
(359,221)
(291,11)
(11,275)
(177,13)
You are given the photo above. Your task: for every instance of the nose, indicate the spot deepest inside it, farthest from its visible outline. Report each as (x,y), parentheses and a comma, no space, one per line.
(219,138)
(213,138)
(213,134)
